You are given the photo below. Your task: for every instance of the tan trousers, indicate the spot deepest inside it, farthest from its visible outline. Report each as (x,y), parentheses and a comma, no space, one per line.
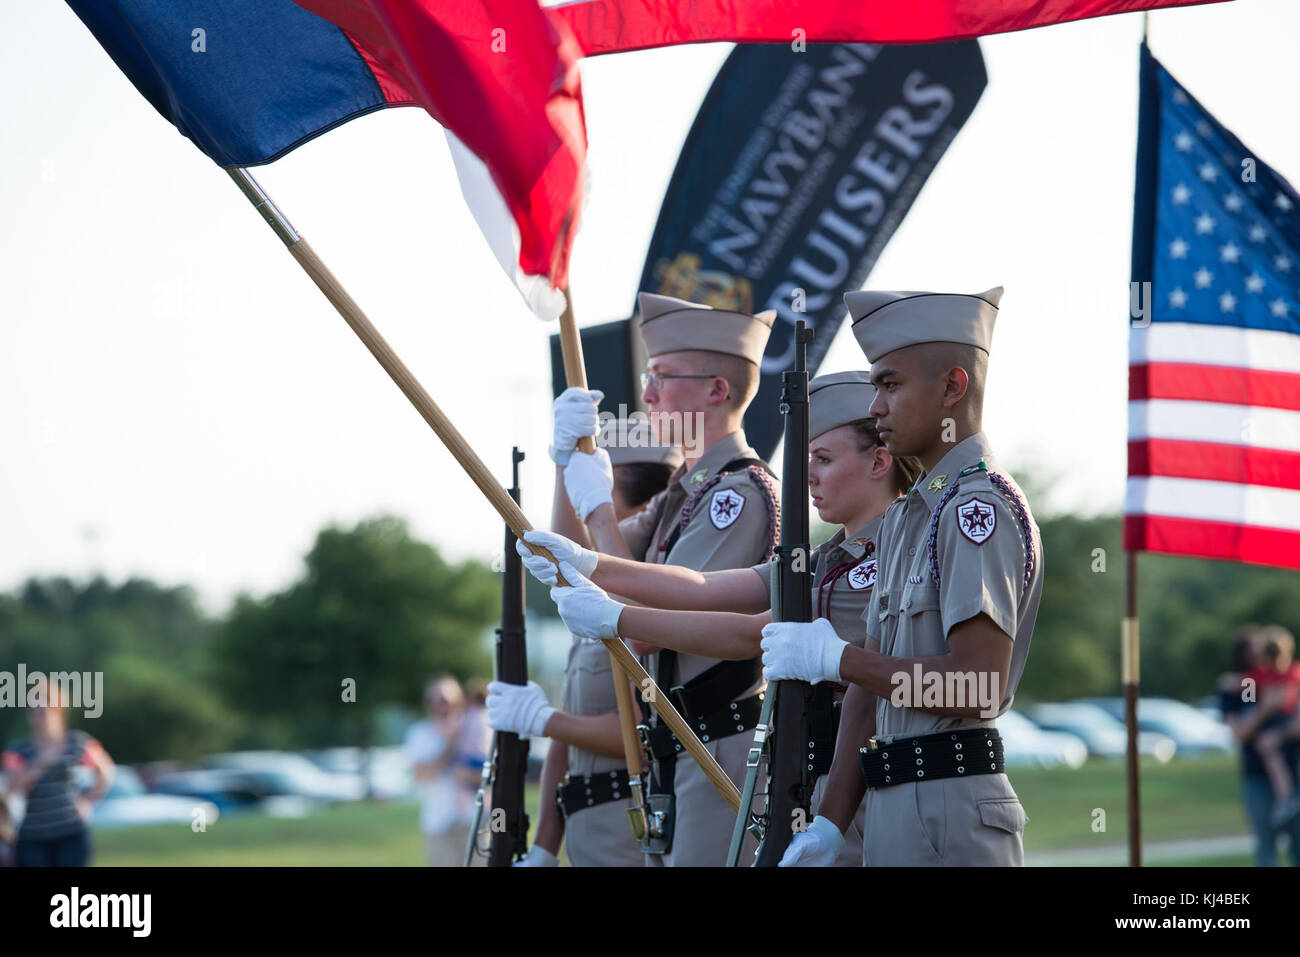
(704,820)
(951,822)
(601,836)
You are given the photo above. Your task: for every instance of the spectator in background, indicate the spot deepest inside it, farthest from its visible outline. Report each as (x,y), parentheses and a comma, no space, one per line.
(1279,676)
(1247,712)
(55,828)
(431,746)
(475,741)
(7,833)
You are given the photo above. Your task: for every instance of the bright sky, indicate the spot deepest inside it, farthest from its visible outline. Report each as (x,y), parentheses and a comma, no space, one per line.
(178,400)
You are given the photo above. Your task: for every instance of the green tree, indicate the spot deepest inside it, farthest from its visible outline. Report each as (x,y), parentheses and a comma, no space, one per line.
(150,714)
(58,624)
(373,616)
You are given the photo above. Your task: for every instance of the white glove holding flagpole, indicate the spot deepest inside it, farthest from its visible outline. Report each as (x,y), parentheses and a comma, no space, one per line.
(802,651)
(575,418)
(522,709)
(585,608)
(537,856)
(589,480)
(564,550)
(816,847)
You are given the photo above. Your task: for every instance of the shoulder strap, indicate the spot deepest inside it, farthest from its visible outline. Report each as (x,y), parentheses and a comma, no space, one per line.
(1017,506)
(735,465)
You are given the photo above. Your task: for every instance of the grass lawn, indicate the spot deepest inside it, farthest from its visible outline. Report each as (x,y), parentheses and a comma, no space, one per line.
(1184,800)
(1188,798)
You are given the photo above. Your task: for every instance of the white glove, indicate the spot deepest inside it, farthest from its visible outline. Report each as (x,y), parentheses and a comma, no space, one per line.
(816,847)
(585,608)
(589,480)
(522,709)
(542,568)
(537,856)
(802,651)
(575,418)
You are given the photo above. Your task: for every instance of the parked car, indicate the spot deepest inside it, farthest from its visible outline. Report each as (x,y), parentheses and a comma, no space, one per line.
(388,768)
(1025,744)
(1192,731)
(236,792)
(1103,734)
(281,772)
(127,804)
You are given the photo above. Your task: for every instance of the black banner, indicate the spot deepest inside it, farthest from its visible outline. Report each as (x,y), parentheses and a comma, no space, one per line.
(798,169)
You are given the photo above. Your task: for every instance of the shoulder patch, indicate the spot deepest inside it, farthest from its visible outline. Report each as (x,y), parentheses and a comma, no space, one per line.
(977,520)
(862,575)
(725,507)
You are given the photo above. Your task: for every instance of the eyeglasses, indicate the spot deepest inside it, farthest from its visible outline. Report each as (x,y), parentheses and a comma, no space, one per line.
(657,378)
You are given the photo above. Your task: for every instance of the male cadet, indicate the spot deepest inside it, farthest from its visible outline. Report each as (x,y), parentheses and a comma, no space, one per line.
(957,589)
(719,511)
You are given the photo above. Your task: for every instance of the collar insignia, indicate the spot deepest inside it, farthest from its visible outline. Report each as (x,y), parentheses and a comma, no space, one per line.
(936,483)
(698,476)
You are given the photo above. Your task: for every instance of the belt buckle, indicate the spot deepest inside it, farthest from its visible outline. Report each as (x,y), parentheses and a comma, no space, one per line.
(872,745)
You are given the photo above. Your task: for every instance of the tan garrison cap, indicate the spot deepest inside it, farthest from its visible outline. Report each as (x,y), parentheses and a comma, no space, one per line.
(838,399)
(630,442)
(672,325)
(885,321)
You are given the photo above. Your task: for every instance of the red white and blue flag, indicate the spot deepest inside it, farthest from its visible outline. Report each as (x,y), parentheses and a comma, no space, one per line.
(249,80)
(614,26)
(1214,378)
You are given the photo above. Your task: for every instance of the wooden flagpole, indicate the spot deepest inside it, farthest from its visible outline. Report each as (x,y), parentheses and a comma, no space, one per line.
(575,374)
(464,455)
(1130,659)
(1130,656)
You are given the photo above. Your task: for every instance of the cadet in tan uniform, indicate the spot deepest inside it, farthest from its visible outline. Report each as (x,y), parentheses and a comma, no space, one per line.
(958,584)
(852,477)
(719,511)
(585,785)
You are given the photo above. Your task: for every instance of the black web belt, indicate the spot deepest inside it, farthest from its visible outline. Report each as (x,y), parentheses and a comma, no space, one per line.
(708,704)
(581,791)
(734,718)
(824,727)
(930,757)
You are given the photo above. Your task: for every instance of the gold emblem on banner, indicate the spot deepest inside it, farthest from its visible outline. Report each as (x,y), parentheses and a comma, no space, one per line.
(683,279)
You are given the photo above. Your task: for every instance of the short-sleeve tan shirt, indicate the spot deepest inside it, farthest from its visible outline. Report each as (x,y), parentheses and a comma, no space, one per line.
(843,576)
(981,559)
(733,525)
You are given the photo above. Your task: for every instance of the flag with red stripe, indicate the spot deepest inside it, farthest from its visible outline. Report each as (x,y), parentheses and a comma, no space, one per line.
(613,26)
(249,82)
(1214,376)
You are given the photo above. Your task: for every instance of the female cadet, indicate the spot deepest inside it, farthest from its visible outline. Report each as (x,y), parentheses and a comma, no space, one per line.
(852,478)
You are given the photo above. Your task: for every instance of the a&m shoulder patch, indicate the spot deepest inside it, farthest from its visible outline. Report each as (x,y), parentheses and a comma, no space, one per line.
(862,575)
(724,507)
(976,520)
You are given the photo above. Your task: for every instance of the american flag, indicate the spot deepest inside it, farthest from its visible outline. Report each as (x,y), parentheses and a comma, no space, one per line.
(1214,345)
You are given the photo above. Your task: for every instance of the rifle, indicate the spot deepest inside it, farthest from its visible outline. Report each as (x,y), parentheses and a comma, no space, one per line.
(508,821)
(787,705)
